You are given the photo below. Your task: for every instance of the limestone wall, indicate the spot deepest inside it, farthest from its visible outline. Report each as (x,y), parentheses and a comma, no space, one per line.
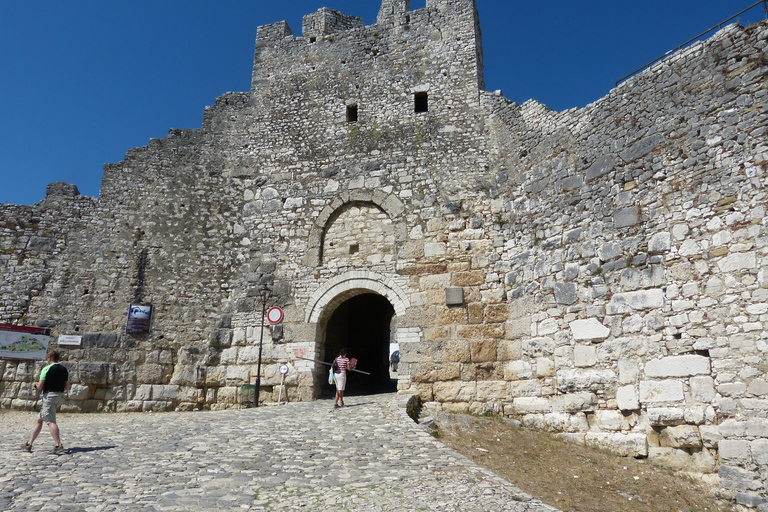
(598,272)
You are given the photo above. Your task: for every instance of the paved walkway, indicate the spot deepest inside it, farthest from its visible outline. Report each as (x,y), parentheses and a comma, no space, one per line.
(368,456)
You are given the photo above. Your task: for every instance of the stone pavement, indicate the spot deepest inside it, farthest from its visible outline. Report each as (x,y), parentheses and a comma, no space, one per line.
(367,456)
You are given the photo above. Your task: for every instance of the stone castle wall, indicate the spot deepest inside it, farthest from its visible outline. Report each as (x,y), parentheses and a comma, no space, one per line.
(609,260)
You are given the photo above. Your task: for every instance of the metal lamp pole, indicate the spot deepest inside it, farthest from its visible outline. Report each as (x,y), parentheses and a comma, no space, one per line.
(264,293)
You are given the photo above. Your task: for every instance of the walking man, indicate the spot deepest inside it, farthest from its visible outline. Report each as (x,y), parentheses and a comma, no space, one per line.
(53,382)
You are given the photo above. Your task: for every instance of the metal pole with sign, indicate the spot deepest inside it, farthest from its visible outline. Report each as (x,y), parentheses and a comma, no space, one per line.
(283,371)
(264,293)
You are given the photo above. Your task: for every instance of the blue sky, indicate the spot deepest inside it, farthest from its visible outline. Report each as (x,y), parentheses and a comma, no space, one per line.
(82,82)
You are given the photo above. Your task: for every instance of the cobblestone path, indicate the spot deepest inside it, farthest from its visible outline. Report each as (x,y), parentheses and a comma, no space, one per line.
(367,456)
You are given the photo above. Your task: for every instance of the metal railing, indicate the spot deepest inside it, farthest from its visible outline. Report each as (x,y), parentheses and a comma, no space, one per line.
(716,27)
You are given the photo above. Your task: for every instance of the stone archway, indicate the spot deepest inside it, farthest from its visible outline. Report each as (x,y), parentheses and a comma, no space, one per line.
(362,324)
(359,310)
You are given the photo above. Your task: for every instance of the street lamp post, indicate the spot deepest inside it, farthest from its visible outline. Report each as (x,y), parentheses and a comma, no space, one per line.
(264,294)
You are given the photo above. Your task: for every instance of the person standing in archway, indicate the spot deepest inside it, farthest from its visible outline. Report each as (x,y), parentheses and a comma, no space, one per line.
(341,365)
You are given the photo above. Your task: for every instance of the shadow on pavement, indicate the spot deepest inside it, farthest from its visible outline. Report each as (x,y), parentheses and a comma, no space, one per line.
(78,449)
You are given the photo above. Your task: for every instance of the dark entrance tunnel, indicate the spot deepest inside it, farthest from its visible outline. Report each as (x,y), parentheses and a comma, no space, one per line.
(362,324)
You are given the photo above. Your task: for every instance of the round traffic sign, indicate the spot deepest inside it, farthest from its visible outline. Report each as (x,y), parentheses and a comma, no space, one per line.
(275,315)
(284,369)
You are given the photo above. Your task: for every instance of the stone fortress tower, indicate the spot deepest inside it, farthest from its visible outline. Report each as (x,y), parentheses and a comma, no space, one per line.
(600,272)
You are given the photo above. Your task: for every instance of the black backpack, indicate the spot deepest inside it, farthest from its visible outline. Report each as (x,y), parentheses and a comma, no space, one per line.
(335,366)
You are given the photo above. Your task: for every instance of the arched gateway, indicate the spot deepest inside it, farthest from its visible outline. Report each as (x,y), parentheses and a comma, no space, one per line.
(358,310)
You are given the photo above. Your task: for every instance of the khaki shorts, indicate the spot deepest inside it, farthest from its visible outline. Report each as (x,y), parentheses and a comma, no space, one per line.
(51,401)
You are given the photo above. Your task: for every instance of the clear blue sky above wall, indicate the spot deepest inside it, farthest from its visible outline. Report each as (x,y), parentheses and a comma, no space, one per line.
(82,82)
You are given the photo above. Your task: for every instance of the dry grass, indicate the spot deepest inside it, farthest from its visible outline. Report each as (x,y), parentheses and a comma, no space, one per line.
(572,477)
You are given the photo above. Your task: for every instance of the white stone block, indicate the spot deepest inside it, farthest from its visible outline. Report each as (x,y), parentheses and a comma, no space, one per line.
(629,369)
(628,445)
(584,356)
(574,402)
(660,416)
(585,380)
(611,420)
(432,249)
(589,329)
(759,450)
(530,405)
(689,248)
(629,302)
(518,370)
(626,398)
(677,366)
(654,391)
(660,242)
(737,261)
(734,451)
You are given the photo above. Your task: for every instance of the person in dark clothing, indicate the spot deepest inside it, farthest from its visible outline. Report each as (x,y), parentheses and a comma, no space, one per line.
(53,382)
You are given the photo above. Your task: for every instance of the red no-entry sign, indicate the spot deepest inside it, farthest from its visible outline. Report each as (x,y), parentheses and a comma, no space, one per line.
(274,315)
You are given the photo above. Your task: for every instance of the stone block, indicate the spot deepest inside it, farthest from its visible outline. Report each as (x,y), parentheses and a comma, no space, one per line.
(93,373)
(451,315)
(585,380)
(545,367)
(101,340)
(759,450)
(530,387)
(642,147)
(454,391)
(435,372)
(480,331)
(495,313)
(221,337)
(475,313)
(660,242)
(590,329)
(702,389)
(584,356)
(611,420)
(680,436)
(518,370)
(566,293)
(452,351)
(492,390)
(78,392)
(574,402)
(678,366)
(627,445)
(734,452)
(662,416)
(737,262)
(530,405)
(149,373)
(629,302)
(710,435)
(471,278)
(538,347)
(509,350)
(661,391)
(238,374)
(626,398)
(434,249)
(143,392)
(483,351)
(603,165)
(154,406)
(738,479)
(626,217)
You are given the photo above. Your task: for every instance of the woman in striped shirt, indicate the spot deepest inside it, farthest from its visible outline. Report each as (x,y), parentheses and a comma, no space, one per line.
(340,376)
